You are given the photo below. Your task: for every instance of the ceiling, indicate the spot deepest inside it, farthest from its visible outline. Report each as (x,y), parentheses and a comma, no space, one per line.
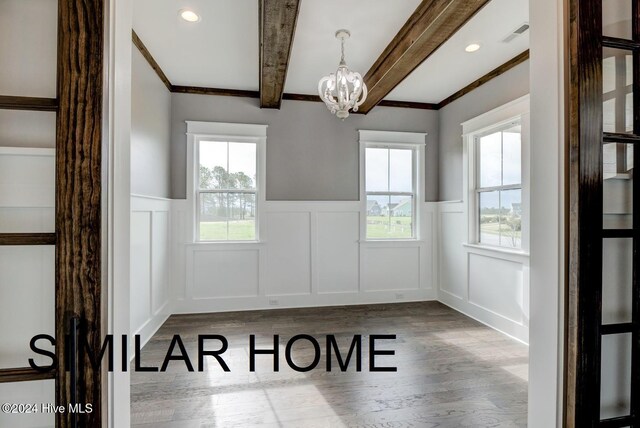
(222,50)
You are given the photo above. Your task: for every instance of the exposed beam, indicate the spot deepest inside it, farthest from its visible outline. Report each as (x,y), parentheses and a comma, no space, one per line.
(315,98)
(277,28)
(432,24)
(151,60)
(487,77)
(408,104)
(9,102)
(301,97)
(214,91)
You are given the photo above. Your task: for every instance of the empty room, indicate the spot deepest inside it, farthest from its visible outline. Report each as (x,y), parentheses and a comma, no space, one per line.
(305,213)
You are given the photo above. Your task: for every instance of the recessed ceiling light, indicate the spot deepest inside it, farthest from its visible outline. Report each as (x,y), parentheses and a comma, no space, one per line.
(472,47)
(189,15)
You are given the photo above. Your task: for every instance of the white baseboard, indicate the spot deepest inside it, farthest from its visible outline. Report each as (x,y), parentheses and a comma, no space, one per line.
(183,306)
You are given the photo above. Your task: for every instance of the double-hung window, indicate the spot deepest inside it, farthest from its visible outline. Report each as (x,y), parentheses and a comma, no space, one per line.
(391,177)
(498,187)
(496,177)
(227,180)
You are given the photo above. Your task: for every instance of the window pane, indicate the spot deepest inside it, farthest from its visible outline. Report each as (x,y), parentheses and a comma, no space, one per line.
(617,186)
(616,18)
(401,176)
(511,156)
(401,216)
(213,165)
(489,148)
(377,217)
(511,218)
(377,169)
(34,392)
(389,217)
(242,166)
(213,216)
(617,69)
(489,218)
(616,374)
(242,223)
(617,280)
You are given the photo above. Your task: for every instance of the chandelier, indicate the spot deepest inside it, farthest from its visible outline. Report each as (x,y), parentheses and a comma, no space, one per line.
(343,90)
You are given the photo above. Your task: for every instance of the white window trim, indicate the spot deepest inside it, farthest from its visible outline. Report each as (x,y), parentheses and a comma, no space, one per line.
(516,110)
(219,131)
(409,140)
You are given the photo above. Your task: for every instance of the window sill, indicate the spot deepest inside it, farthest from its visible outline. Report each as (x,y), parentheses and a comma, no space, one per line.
(223,243)
(392,242)
(492,249)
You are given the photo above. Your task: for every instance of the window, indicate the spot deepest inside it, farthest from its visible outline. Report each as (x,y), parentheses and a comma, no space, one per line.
(391,168)
(226,191)
(498,187)
(227,184)
(390,193)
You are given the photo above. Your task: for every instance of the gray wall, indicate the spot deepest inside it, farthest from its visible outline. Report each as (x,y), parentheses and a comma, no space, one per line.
(507,87)
(150,131)
(311,155)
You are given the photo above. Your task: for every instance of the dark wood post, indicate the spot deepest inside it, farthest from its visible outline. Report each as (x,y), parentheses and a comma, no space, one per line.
(78,200)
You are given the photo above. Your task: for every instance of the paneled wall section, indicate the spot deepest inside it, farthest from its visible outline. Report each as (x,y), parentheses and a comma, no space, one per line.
(151,264)
(310,255)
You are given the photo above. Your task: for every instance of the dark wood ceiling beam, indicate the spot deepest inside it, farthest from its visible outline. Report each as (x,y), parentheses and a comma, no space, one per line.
(297,97)
(408,104)
(383,103)
(432,24)
(151,60)
(214,91)
(278,20)
(486,78)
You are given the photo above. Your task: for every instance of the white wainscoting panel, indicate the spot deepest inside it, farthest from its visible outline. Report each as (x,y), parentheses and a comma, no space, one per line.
(225,273)
(451,255)
(151,264)
(288,253)
(310,254)
(338,252)
(496,285)
(487,284)
(391,268)
(161,259)
(140,269)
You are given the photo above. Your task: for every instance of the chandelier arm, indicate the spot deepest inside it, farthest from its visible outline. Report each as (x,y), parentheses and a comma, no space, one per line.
(363,95)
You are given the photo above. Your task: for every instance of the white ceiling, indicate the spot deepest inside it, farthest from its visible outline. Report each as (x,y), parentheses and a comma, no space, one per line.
(450,68)
(221,50)
(316,52)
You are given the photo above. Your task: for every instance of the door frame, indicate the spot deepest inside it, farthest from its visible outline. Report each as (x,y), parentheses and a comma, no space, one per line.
(116,201)
(547,86)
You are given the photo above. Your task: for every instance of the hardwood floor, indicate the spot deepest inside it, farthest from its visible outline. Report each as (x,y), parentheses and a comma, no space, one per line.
(452,372)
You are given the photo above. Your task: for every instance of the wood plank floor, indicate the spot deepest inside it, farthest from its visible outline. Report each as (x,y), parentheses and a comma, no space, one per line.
(452,372)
